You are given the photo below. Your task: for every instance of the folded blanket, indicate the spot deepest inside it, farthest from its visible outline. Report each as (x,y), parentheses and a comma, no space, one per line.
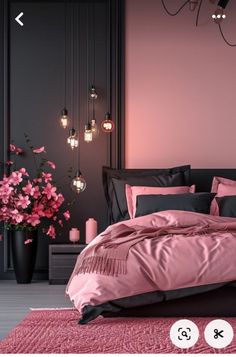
(109,256)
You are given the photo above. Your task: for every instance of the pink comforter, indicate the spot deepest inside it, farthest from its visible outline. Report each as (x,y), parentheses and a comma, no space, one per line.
(165,262)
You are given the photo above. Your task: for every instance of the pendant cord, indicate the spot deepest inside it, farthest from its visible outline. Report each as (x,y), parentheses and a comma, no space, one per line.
(65,69)
(174,13)
(94,50)
(72,64)
(223,36)
(94,57)
(108,58)
(198,12)
(78,78)
(87,48)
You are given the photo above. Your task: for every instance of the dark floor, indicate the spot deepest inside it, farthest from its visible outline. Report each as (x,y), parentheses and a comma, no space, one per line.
(17,299)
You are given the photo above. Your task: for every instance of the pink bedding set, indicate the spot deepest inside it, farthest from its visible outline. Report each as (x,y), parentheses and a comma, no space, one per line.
(160,251)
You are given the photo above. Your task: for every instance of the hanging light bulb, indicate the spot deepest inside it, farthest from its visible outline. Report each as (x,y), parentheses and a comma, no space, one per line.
(88,135)
(72,139)
(107,124)
(95,129)
(93,93)
(78,183)
(64,119)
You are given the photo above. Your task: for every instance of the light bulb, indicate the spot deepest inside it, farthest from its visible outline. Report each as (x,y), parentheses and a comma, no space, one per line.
(218,15)
(88,135)
(72,139)
(107,124)
(78,183)
(95,129)
(64,119)
(93,93)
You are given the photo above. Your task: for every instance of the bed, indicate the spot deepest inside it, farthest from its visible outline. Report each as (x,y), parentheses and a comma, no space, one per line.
(210,297)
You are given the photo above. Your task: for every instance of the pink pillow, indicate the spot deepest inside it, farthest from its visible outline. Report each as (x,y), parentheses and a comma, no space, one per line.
(133,191)
(222,187)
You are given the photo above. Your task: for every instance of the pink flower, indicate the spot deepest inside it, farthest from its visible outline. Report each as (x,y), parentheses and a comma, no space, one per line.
(16,216)
(51,231)
(23,172)
(29,189)
(51,164)
(37,180)
(9,163)
(15,178)
(15,149)
(39,150)
(12,148)
(38,209)
(47,177)
(48,213)
(49,191)
(18,151)
(55,218)
(23,201)
(33,219)
(36,193)
(60,199)
(66,215)
(28,241)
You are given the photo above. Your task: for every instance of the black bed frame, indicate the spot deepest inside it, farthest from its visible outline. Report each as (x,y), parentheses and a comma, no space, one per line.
(220,302)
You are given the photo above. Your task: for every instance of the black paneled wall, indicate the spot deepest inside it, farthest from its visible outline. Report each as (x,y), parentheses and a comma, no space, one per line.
(34,96)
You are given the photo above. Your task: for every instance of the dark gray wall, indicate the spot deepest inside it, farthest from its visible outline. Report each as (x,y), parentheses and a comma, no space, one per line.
(36,96)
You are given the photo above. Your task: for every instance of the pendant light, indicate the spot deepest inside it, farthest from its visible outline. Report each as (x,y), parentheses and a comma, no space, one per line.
(93,92)
(108,124)
(88,135)
(72,139)
(94,126)
(78,183)
(64,119)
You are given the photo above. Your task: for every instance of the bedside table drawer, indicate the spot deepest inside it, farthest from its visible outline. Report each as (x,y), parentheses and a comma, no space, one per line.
(66,260)
(62,259)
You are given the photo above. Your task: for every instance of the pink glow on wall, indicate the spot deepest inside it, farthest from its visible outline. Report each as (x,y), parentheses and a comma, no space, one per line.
(180,87)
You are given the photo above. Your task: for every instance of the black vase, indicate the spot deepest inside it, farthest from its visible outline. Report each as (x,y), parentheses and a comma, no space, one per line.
(24,255)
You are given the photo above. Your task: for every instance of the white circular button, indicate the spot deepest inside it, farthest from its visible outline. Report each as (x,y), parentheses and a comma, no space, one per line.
(218,333)
(184,333)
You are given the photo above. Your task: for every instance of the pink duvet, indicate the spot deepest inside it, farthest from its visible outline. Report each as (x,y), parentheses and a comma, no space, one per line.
(166,262)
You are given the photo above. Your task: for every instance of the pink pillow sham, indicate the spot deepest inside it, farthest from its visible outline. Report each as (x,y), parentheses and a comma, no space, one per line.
(133,191)
(222,187)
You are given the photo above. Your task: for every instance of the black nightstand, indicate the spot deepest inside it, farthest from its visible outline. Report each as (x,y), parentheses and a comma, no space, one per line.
(62,259)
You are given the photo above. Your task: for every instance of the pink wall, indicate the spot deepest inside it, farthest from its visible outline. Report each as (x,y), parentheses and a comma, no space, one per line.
(180,87)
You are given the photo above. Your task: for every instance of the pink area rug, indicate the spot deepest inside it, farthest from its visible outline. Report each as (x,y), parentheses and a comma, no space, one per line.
(57,331)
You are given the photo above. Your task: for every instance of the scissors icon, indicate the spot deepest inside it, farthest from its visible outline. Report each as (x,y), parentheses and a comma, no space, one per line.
(218,333)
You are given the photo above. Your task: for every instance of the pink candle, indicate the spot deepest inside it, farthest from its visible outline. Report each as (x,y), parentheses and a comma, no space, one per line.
(91,230)
(74,235)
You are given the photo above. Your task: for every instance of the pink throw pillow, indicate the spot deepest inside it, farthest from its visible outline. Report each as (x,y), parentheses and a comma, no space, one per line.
(222,187)
(133,191)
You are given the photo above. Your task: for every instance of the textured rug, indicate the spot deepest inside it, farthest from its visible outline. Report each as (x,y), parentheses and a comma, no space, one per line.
(57,331)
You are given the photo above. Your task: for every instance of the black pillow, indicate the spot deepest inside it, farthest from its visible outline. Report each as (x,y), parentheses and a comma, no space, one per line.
(115,191)
(227,206)
(195,202)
